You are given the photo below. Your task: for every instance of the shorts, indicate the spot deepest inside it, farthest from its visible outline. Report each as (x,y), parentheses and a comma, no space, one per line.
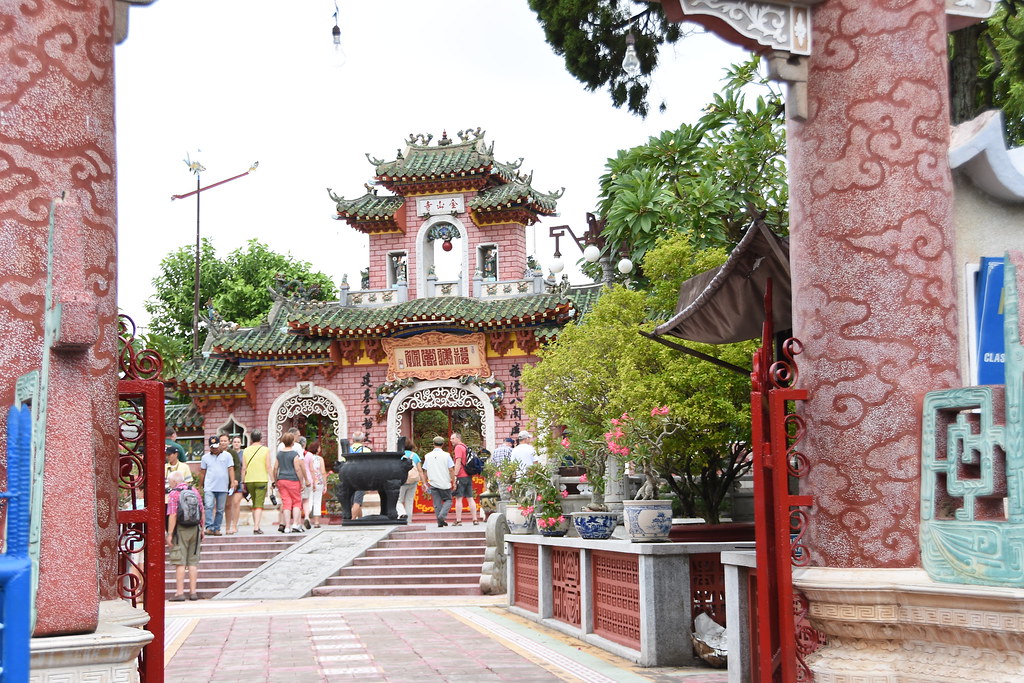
(185,550)
(357,497)
(291,494)
(258,491)
(464,487)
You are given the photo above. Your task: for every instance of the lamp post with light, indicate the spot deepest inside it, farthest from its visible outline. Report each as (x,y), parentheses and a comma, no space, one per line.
(198,168)
(592,244)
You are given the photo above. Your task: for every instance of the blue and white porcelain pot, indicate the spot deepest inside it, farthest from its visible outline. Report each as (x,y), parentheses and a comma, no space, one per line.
(648,520)
(595,525)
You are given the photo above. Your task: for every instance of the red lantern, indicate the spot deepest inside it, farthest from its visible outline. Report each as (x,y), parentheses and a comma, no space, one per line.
(446,245)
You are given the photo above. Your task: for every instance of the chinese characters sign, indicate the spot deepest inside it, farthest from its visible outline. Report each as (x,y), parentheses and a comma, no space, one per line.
(444,205)
(435,355)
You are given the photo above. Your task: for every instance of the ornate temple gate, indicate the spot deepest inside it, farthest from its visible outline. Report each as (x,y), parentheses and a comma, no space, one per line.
(780,634)
(141,512)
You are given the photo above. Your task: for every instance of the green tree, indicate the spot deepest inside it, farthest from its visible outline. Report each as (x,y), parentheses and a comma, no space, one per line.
(237,286)
(700,178)
(599,368)
(591,36)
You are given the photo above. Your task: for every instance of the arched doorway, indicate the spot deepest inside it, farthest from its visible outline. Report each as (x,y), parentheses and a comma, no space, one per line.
(466,403)
(315,410)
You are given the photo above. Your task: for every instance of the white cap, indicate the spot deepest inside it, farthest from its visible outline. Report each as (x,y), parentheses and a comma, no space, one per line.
(525,435)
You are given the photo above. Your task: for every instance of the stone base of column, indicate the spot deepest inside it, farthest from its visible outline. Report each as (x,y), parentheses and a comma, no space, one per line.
(108,654)
(889,625)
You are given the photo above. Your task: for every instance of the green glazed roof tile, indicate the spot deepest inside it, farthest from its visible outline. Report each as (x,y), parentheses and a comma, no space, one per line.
(337,320)
(183,416)
(210,373)
(368,207)
(518,192)
(270,340)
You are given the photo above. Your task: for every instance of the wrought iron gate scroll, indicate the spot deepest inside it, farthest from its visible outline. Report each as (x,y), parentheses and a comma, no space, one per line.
(141,513)
(779,518)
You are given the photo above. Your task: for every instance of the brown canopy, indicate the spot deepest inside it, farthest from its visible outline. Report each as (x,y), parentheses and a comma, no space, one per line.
(726,304)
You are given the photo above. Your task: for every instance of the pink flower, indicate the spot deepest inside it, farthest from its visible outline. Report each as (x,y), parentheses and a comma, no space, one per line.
(565,494)
(538,496)
(565,443)
(498,475)
(614,421)
(561,518)
(583,479)
(542,522)
(509,489)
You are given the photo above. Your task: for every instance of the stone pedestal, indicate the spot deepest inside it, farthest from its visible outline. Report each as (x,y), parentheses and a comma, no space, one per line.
(890,625)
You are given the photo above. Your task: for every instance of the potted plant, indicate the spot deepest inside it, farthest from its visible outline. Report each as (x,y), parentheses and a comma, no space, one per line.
(640,441)
(594,521)
(490,497)
(547,508)
(331,503)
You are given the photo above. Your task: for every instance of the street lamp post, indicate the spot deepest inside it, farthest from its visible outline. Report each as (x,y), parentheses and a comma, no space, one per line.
(592,244)
(198,168)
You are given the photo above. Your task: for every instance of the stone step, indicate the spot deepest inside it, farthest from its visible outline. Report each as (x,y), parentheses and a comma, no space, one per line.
(419,551)
(421,569)
(431,543)
(345,578)
(407,589)
(388,560)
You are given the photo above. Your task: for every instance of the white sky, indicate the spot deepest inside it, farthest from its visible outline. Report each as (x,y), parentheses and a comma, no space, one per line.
(259,80)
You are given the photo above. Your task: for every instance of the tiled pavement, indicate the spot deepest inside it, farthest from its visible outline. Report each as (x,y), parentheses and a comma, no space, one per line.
(373,640)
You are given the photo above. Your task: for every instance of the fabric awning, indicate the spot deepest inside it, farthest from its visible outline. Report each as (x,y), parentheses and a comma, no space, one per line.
(726,304)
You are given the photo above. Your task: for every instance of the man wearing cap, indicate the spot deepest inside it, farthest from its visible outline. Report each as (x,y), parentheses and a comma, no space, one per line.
(440,470)
(525,454)
(503,452)
(216,474)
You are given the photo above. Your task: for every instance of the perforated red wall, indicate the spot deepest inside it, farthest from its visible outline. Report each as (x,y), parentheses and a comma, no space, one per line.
(565,585)
(526,576)
(616,597)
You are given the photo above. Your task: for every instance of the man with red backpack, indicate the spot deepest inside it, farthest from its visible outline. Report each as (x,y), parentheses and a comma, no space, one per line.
(185,516)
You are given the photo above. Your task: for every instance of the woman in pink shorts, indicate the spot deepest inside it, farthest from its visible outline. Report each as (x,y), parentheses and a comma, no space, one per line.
(290,476)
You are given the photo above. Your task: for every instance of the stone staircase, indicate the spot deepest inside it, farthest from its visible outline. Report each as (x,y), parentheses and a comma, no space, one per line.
(226,559)
(415,560)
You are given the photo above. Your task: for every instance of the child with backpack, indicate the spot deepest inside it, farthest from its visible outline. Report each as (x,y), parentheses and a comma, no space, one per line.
(185,516)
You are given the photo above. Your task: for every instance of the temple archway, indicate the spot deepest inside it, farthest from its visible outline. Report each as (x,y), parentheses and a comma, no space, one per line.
(304,400)
(444,394)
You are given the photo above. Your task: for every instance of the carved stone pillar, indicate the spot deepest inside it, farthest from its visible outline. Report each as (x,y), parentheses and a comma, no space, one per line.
(873,294)
(57,135)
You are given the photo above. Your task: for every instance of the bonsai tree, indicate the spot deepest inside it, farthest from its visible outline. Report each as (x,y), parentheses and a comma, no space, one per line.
(591,453)
(641,441)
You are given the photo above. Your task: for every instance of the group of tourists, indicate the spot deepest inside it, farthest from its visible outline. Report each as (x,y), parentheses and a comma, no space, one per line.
(296,472)
(227,475)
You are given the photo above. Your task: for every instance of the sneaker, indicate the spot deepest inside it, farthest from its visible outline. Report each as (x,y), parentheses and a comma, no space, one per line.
(178,598)
(296,530)
(193,596)
(306,523)
(442,523)
(216,533)
(280,528)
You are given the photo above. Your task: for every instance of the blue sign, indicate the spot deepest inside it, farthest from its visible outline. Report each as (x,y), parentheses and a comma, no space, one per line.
(991,345)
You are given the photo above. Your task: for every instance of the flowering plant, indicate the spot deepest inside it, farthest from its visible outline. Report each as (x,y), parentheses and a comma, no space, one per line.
(546,503)
(640,440)
(593,455)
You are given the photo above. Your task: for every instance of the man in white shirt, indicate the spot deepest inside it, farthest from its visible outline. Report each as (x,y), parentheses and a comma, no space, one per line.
(525,454)
(440,470)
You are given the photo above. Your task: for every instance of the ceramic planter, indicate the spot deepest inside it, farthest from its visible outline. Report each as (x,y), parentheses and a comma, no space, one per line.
(648,520)
(560,529)
(595,525)
(517,522)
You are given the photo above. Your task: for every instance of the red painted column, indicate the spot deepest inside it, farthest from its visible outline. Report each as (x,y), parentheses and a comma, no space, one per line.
(872,245)
(57,134)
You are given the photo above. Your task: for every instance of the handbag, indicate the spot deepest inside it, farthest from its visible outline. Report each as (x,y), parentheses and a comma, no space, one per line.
(414,475)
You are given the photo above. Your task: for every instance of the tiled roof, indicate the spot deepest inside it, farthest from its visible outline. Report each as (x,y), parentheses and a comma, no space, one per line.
(183,416)
(201,374)
(518,193)
(369,206)
(472,314)
(441,161)
(271,341)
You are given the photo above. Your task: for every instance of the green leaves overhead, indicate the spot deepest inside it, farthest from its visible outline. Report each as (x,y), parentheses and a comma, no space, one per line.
(591,36)
(699,178)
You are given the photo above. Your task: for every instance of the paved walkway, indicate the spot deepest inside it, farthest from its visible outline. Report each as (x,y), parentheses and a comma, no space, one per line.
(373,640)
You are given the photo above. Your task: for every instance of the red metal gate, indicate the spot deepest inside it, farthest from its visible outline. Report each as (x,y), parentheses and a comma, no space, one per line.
(140,516)
(779,518)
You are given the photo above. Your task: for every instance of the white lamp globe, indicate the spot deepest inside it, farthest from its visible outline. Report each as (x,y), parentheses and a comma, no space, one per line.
(557,266)
(592,253)
(625,266)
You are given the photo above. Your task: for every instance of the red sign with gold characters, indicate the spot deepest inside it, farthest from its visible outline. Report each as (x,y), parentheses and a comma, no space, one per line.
(435,355)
